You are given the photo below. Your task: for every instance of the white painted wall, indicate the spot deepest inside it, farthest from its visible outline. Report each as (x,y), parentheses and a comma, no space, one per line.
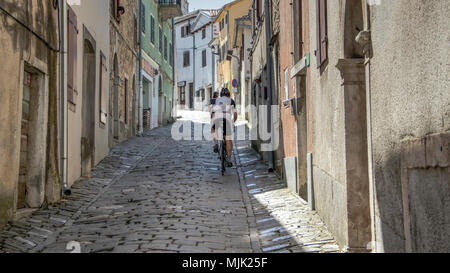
(98,25)
(201,77)
(184,74)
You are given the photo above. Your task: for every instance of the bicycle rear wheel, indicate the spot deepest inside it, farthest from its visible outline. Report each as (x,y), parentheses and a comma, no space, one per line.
(223,157)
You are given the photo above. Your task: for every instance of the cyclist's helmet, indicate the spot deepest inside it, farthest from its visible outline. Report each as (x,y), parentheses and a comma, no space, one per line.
(225,93)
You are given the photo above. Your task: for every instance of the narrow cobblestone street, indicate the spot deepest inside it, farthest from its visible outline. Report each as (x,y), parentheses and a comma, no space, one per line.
(155,194)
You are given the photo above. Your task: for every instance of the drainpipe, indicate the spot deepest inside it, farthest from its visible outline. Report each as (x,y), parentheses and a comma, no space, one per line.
(193,70)
(140,99)
(270,79)
(174,112)
(65,190)
(213,64)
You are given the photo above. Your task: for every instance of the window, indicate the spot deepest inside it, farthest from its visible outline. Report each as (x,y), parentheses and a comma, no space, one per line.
(186,59)
(171,54)
(204,33)
(135,28)
(204,58)
(258,10)
(103,71)
(185,30)
(298,31)
(322,35)
(165,48)
(226,19)
(126,102)
(143,18)
(286,84)
(72,36)
(152,29)
(116,9)
(160,40)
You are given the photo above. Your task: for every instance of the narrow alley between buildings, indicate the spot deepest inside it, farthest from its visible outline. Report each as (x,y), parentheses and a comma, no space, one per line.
(155,194)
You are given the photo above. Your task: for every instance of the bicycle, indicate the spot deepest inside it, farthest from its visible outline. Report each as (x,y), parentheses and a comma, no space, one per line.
(223,149)
(223,155)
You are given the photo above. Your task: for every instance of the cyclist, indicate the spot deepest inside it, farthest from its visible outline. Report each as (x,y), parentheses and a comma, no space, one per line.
(213,131)
(224,115)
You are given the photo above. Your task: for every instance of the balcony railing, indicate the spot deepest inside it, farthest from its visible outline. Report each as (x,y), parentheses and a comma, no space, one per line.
(169,9)
(169,2)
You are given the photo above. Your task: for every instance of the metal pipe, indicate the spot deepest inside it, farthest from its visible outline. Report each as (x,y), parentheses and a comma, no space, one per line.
(193,70)
(269,79)
(172,62)
(140,86)
(65,190)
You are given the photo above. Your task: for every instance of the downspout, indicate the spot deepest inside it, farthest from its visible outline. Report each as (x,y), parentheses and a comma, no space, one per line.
(193,70)
(65,190)
(213,64)
(174,113)
(140,98)
(270,80)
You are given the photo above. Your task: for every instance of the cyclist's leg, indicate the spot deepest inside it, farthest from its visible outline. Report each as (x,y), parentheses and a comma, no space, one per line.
(214,135)
(229,140)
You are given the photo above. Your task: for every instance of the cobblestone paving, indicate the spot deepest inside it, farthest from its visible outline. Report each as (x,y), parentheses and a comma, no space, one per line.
(154,194)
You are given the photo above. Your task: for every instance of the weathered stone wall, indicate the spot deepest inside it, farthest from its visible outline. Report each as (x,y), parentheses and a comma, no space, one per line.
(409,89)
(122,45)
(19,48)
(328,126)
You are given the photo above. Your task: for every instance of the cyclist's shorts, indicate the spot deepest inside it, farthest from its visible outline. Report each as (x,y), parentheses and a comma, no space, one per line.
(226,123)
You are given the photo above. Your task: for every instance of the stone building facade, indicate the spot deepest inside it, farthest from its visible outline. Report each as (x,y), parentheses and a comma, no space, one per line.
(224,40)
(158,60)
(408,123)
(293,71)
(123,67)
(193,33)
(88,88)
(241,49)
(28,117)
(264,63)
(374,135)
(363,140)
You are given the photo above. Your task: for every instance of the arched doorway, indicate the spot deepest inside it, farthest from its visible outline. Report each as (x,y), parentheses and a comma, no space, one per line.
(88,109)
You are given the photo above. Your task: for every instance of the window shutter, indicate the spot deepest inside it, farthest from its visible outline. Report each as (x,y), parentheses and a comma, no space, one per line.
(171,54)
(160,40)
(204,58)
(165,48)
(258,11)
(103,71)
(72,34)
(186,60)
(322,34)
(116,11)
(143,17)
(115,8)
(135,28)
(152,35)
